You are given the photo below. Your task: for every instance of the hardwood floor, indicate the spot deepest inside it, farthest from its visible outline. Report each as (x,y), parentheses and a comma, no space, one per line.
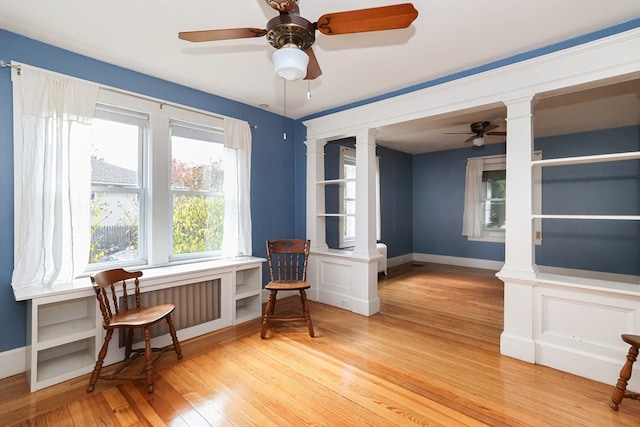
(430,358)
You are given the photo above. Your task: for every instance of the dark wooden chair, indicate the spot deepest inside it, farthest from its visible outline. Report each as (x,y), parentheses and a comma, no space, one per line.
(620,391)
(115,315)
(288,270)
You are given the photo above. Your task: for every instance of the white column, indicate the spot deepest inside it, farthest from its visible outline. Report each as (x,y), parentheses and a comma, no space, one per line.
(365,193)
(518,272)
(315,195)
(365,255)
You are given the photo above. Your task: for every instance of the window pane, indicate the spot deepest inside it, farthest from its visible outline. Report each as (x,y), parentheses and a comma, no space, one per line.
(197,223)
(115,215)
(494,184)
(196,165)
(494,215)
(115,226)
(115,153)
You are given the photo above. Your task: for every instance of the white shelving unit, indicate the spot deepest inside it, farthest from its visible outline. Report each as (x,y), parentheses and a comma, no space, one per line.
(65,324)
(64,337)
(580,160)
(247,297)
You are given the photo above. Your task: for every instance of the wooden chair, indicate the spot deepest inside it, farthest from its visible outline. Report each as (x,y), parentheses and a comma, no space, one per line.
(288,270)
(121,316)
(620,391)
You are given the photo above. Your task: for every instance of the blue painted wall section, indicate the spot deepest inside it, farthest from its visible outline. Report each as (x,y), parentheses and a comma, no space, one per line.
(609,188)
(274,167)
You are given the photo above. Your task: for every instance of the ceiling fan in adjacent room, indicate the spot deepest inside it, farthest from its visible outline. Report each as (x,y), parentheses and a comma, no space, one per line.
(479,130)
(293,35)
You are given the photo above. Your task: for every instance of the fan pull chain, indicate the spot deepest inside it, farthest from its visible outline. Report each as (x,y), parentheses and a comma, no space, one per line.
(284,108)
(308,89)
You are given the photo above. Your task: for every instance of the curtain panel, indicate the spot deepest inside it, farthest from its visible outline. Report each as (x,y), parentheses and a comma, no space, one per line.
(471,221)
(236,239)
(52,174)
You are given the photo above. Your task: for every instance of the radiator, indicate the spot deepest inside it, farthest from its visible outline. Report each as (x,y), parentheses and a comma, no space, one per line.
(196,303)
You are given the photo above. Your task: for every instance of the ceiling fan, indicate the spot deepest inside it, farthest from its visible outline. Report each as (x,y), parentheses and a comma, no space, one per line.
(479,130)
(293,35)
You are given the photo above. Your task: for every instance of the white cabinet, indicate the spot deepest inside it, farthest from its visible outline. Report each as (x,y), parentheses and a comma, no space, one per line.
(65,324)
(65,333)
(247,298)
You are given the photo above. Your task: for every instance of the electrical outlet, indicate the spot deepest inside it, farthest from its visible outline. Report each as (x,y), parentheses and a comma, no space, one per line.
(344,303)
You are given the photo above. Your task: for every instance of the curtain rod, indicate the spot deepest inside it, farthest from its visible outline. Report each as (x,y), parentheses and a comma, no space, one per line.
(4,64)
(18,67)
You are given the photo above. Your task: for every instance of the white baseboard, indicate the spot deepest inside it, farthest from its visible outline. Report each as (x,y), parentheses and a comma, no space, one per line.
(13,362)
(462,262)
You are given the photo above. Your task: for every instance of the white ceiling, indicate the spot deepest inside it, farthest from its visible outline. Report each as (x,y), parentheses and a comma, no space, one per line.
(449,36)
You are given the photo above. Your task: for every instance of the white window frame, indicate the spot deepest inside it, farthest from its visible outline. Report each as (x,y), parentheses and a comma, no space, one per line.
(348,156)
(499,162)
(156,215)
(122,115)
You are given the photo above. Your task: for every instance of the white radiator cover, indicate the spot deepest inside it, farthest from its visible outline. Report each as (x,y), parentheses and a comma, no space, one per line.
(196,304)
(200,308)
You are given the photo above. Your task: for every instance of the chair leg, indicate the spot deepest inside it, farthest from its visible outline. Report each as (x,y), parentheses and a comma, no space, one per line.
(174,338)
(305,309)
(98,367)
(271,303)
(148,355)
(625,375)
(129,343)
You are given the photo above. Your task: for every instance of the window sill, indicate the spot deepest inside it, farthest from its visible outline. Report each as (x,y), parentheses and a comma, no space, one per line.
(83,284)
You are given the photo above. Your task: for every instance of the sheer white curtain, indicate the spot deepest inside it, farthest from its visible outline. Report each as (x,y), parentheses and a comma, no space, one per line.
(237,185)
(471,221)
(52,173)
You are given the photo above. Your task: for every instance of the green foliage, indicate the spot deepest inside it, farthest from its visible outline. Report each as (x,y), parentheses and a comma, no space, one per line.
(197,219)
(197,223)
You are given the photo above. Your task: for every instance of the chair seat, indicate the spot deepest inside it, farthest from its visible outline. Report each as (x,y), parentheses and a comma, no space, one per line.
(141,316)
(287,285)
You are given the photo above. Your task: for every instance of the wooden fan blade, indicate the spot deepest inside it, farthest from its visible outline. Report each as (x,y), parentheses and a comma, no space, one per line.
(281,5)
(471,138)
(313,69)
(487,128)
(497,133)
(363,20)
(226,34)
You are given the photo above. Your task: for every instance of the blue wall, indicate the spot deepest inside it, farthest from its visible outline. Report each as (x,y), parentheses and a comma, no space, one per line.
(594,189)
(275,191)
(438,202)
(610,188)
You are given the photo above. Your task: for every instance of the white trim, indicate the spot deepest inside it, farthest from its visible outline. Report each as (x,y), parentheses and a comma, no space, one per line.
(13,362)
(459,261)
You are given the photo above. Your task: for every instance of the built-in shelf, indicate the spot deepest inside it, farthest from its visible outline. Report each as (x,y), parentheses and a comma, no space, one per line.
(599,158)
(599,217)
(247,295)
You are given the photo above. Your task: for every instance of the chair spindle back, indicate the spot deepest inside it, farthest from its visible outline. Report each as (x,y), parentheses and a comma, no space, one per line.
(288,259)
(105,285)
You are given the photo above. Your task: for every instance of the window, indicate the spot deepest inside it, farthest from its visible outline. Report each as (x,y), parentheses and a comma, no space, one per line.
(117,185)
(158,184)
(113,181)
(484,216)
(348,197)
(197,200)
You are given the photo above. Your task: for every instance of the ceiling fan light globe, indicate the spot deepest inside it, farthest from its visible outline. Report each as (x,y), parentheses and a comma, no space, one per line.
(478,141)
(290,63)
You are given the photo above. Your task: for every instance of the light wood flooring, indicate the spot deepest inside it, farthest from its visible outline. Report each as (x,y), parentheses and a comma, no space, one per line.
(429,358)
